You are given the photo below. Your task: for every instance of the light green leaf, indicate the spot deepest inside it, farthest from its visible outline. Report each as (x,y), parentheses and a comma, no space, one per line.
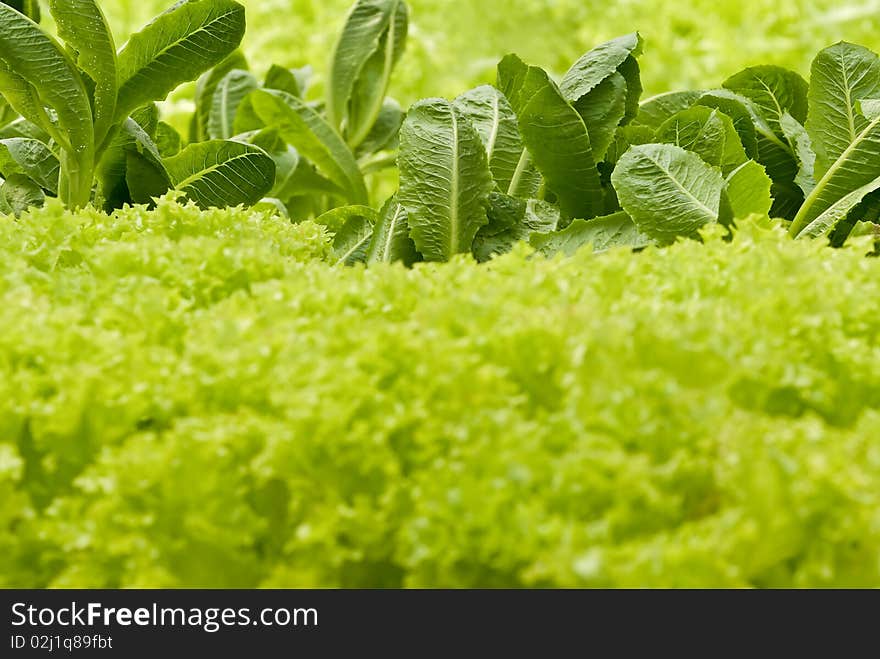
(286,159)
(602,233)
(284,80)
(527,180)
(391,241)
(604,86)
(774,91)
(35,72)
(444,179)
(838,211)
(32,158)
(374,79)
(374,30)
(175,48)
(205,88)
(273,206)
(856,168)
(603,110)
(777,152)
(304,129)
(555,135)
(222,173)
(707,132)
(21,127)
(840,77)
(83,27)
(748,190)
(228,95)
(667,191)
(495,121)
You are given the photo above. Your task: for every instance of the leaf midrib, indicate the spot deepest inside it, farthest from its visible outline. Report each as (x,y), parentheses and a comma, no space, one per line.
(797,223)
(392,226)
(453,188)
(202,173)
(712,215)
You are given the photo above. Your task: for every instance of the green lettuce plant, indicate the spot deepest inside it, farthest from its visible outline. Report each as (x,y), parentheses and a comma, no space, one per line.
(87,111)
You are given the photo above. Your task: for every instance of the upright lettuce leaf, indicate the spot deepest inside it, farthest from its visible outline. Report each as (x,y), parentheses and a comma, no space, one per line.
(735,108)
(841,76)
(495,121)
(774,91)
(36,72)
(599,64)
(83,27)
(445,179)
(555,135)
(707,132)
(667,191)
(383,135)
(228,95)
(175,48)
(604,86)
(304,129)
(205,88)
(846,142)
(368,48)
(390,240)
(770,94)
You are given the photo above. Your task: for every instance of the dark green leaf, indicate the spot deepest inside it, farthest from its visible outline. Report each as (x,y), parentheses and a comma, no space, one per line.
(602,233)
(228,95)
(32,158)
(555,136)
(20,193)
(495,121)
(205,88)
(304,129)
(175,48)
(667,191)
(82,26)
(390,240)
(444,179)
(222,173)
(707,132)
(657,109)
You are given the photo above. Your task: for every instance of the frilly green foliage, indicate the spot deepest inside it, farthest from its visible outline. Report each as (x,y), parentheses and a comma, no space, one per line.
(194,398)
